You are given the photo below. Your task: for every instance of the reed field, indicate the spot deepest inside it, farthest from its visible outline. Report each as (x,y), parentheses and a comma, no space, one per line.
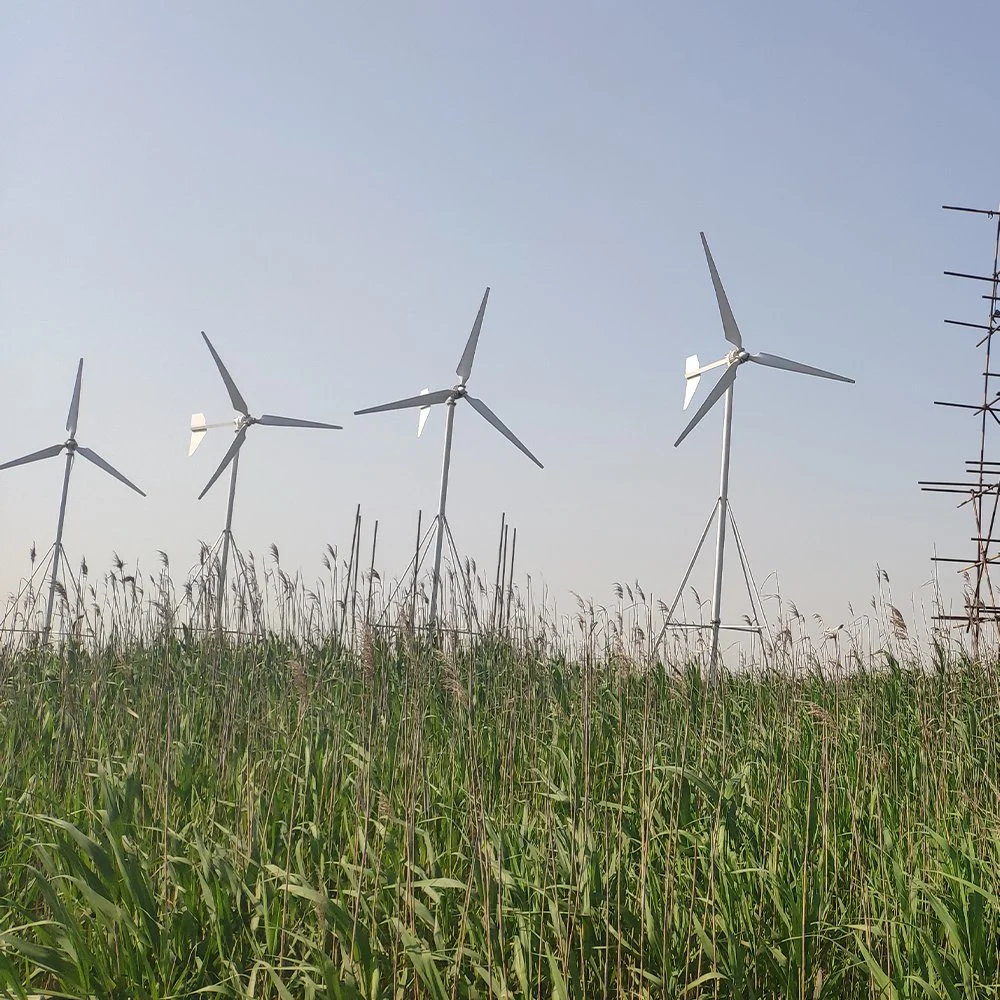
(486,818)
(560,806)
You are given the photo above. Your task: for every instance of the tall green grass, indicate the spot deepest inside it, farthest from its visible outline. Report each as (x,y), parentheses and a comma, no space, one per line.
(268,820)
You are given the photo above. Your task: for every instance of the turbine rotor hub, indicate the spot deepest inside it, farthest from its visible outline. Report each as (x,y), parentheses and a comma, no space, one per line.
(739,355)
(71,444)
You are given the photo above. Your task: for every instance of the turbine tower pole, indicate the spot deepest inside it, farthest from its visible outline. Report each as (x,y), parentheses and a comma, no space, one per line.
(720,544)
(57,549)
(439,541)
(227,535)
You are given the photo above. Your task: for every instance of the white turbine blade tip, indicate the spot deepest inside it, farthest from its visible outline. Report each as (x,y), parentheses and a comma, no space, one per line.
(196,438)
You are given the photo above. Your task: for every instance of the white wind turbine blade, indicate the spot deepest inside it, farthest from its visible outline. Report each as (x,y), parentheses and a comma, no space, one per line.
(92,456)
(692,375)
(486,412)
(464,369)
(270,420)
(773,361)
(718,390)
(74,406)
(729,326)
(229,456)
(424,399)
(239,404)
(425,412)
(35,456)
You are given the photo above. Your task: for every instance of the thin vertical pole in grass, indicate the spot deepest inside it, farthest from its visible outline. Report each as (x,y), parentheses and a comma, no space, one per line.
(416,568)
(510,579)
(166,664)
(497,579)
(354,594)
(503,576)
(371,578)
(350,570)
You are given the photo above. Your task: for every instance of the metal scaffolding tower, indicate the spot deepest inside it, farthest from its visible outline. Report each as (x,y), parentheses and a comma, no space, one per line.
(981,490)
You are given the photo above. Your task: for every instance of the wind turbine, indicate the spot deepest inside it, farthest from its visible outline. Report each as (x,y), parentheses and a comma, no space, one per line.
(450,397)
(72,450)
(724,387)
(243,422)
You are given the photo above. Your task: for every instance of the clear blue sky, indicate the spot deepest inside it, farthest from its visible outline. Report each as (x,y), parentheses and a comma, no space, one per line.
(327,189)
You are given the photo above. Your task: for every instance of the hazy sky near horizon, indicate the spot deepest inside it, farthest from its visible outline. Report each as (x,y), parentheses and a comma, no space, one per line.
(326,190)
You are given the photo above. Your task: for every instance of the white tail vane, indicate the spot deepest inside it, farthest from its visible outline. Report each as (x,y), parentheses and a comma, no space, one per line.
(692,373)
(425,412)
(198,431)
